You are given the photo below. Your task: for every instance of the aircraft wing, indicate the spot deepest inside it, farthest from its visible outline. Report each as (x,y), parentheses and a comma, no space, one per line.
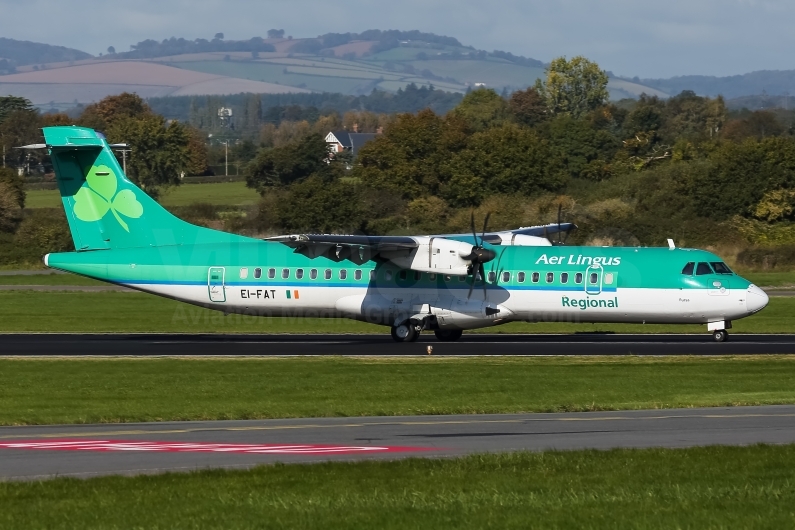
(357,248)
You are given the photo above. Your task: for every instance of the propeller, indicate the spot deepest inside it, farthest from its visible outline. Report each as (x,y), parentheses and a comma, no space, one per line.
(479,256)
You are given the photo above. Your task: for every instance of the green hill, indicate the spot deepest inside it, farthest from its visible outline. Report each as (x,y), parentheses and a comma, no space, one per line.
(15,53)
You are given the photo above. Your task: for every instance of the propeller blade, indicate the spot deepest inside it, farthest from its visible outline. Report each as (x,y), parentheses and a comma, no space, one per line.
(471,287)
(485,225)
(483,278)
(560,207)
(472,224)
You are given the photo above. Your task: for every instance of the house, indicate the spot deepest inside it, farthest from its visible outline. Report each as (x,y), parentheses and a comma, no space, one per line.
(347,141)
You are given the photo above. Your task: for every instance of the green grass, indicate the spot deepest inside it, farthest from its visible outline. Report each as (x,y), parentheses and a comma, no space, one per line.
(49,391)
(771,279)
(712,487)
(49,279)
(29,311)
(220,193)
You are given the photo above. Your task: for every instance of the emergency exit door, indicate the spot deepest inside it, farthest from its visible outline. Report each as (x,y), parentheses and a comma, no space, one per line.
(215,284)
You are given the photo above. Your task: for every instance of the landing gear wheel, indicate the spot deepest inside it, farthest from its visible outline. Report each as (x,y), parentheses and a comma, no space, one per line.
(404,333)
(720,335)
(448,335)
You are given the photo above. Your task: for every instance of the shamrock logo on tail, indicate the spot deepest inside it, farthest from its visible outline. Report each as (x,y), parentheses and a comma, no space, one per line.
(93,202)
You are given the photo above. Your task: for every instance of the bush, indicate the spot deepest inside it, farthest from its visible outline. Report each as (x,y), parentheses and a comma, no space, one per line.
(767,258)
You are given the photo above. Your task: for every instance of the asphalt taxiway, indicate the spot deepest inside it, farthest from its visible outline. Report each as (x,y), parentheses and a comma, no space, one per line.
(382,345)
(88,450)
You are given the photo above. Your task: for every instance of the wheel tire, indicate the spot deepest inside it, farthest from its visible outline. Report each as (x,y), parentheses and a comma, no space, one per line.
(720,335)
(404,333)
(448,335)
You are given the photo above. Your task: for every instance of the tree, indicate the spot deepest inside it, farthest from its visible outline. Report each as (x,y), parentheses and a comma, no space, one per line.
(14,185)
(108,111)
(10,211)
(219,36)
(111,50)
(275,33)
(573,87)
(502,160)
(11,104)
(528,107)
(482,108)
(293,162)
(159,153)
(319,205)
(759,124)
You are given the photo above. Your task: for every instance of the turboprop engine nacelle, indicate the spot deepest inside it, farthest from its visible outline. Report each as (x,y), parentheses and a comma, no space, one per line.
(436,255)
(522,240)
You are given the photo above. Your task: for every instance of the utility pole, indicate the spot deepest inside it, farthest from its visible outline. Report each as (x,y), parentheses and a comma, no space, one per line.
(226,158)
(124,158)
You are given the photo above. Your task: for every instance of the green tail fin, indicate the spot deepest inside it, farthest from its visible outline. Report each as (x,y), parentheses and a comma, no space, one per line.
(104,208)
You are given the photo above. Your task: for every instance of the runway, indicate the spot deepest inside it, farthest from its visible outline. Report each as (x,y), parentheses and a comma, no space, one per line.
(382,345)
(88,450)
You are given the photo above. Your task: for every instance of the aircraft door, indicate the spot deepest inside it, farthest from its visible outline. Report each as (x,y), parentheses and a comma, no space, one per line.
(594,276)
(215,284)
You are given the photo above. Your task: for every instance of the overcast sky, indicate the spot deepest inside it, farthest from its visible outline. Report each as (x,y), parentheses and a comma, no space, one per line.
(628,37)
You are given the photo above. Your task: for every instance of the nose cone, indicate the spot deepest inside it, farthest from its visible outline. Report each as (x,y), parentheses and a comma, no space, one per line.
(755,299)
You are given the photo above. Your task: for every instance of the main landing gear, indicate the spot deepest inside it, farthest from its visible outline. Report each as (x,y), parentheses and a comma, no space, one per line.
(720,335)
(406,332)
(409,331)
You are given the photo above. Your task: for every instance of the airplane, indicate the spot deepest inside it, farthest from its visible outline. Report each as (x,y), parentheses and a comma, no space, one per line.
(440,283)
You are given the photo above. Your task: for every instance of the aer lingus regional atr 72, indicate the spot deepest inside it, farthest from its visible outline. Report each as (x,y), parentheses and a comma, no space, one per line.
(442,283)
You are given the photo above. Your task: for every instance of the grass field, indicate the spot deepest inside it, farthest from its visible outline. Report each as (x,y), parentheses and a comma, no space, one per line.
(29,311)
(712,487)
(220,193)
(36,391)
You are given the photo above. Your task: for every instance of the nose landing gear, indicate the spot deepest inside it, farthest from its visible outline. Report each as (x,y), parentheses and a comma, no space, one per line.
(720,335)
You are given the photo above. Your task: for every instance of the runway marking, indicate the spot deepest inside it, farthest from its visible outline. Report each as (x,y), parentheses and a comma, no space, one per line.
(385,423)
(187,447)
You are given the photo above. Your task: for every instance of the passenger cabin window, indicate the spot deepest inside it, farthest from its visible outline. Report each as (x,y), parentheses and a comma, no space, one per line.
(258,273)
(357,275)
(327,274)
(506,277)
(243,273)
(285,273)
(462,279)
(492,276)
(564,277)
(594,279)
(388,276)
(271,273)
(578,278)
(720,267)
(520,277)
(373,275)
(417,275)
(299,273)
(550,277)
(536,276)
(343,274)
(447,277)
(688,270)
(703,268)
(403,275)
(313,274)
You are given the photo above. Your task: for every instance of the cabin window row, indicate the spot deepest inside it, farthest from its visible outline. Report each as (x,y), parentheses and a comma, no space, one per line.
(521,277)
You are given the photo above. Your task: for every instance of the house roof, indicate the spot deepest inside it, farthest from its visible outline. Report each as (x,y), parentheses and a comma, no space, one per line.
(349,140)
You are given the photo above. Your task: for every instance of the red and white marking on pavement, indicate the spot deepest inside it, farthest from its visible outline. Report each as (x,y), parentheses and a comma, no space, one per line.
(187,447)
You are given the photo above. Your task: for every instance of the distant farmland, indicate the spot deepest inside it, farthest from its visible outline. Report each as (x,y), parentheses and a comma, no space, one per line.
(350,68)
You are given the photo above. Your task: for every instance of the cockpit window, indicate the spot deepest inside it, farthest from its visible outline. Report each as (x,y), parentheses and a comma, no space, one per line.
(689,268)
(720,267)
(703,268)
